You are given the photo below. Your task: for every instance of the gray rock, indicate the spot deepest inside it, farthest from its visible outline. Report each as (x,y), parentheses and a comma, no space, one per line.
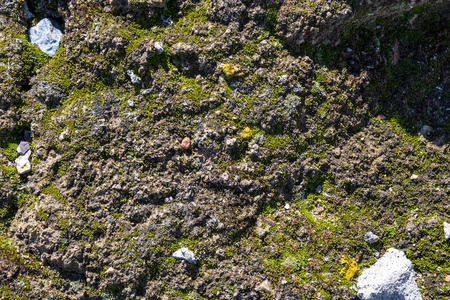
(28,14)
(447,230)
(185,254)
(28,135)
(23,148)
(371,238)
(390,278)
(318,189)
(425,130)
(46,35)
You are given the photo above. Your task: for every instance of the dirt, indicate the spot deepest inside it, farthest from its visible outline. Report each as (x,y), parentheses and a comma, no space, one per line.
(302,123)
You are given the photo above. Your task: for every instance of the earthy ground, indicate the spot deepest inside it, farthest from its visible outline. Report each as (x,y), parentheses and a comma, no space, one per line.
(304,121)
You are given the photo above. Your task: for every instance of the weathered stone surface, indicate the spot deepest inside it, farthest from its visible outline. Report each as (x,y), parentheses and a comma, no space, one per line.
(24,167)
(134,79)
(46,35)
(390,278)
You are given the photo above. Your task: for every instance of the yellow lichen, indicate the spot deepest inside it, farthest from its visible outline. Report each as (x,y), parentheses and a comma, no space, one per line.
(350,268)
(247,133)
(230,69)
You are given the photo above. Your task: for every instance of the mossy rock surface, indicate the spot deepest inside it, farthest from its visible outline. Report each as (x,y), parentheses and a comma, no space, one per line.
(303,119)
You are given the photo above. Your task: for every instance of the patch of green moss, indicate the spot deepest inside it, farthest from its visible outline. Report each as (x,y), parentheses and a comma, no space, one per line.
(9,149)
(52,191)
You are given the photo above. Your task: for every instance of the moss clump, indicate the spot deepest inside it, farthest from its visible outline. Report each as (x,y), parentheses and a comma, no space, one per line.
(52,191)
(42,214)
(9,149)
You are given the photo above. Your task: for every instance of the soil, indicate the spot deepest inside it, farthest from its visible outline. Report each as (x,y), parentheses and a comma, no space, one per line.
(267,137)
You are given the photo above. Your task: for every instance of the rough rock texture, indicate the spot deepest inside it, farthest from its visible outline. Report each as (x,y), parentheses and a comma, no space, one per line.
(302,120)
(390,278)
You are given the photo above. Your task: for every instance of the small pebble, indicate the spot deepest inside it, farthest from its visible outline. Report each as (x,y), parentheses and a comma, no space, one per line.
(186,143)
(318,189)
(265,286)
(110,271)
(23,147)
(159,47)
(371,238)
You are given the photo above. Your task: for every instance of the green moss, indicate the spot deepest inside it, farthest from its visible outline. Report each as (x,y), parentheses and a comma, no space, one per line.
(52,191)
(9,171)
(9,149)
(112,292)
(42,214)
(63,223)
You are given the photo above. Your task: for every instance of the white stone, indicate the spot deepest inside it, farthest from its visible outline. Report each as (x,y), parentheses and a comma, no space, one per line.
(224,177)
(230,142)
(185,254)
(447,230)
(159,47)
(46,35)
(63,135)
(21,160)
(23,166)
(265,286)
(287,206)
(390,278)
(134,79)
